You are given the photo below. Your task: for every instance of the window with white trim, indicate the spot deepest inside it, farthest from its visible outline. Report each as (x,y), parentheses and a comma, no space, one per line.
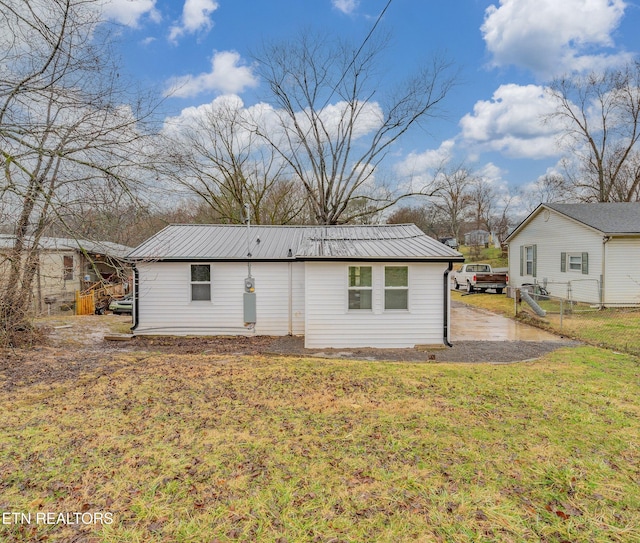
(575,262)
(396,287)
(529,259)
(200,282)
(360,287)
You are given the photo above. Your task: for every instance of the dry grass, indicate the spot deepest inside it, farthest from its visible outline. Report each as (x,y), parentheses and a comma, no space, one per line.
(210,448)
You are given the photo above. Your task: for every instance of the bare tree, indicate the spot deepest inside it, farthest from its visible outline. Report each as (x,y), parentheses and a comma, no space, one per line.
(63,124)
(601,112)
(452,196)
(218,157)
(490,209)
(333,127)
(551,188)
(425,217)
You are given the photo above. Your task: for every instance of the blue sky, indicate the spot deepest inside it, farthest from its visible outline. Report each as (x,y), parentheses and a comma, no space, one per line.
(506,51)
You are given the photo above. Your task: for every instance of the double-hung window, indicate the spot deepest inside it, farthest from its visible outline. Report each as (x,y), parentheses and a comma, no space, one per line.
(529,259)
(200,282)
(396,287)
(575,262)
(360,285)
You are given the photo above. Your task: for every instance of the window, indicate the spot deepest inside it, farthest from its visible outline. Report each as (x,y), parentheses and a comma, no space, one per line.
(67,264)
(200,282)
(575,262)
(396,287)
(360,287)
(528,260)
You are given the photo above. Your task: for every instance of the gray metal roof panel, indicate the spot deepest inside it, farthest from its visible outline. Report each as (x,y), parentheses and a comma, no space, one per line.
(229,242)
(65,244)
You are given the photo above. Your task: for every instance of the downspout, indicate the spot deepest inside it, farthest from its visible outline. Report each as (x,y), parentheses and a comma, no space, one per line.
(136,282)
(446,302)
(290,301)
(605,240)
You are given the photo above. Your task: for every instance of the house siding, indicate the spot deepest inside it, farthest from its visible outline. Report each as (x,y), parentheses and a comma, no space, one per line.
(622,276)
(552,235)
(329,322)
(49,280)
(165,307)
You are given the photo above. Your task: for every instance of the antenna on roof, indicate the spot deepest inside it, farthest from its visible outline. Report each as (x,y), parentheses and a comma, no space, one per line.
(247,220)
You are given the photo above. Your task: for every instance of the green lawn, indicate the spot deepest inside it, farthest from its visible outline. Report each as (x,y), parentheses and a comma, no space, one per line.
(489,255)
(209,448)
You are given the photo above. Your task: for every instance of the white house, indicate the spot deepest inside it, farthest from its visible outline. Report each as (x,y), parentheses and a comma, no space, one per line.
(339,286)
(584,252)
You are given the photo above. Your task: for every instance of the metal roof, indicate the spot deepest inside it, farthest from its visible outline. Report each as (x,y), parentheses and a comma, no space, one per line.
(235,242)
(69,244)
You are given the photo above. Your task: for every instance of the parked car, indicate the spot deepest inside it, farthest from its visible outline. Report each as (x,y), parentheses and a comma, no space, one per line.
(122,306)
(479,277)
(450,242)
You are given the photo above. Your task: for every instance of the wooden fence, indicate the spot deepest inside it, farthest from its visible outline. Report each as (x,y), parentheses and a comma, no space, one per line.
(85,303)
(97,295)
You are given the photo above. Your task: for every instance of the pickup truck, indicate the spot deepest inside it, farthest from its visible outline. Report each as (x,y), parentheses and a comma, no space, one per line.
(480,277)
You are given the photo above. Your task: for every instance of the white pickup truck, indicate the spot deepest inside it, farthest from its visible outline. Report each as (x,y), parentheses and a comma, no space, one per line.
(479,277)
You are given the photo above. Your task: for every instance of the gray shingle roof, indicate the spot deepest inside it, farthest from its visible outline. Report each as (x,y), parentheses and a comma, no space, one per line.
(229,242)
(608,218)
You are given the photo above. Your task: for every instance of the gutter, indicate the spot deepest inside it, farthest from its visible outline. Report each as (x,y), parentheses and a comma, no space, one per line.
(136,282)
(446,304)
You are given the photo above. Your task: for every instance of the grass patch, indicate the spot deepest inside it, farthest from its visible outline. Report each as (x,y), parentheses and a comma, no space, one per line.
(497,303)
(205,448)
(485,255)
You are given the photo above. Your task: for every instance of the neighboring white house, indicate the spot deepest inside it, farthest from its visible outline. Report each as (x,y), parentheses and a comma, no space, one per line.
(339,286)
(584,252)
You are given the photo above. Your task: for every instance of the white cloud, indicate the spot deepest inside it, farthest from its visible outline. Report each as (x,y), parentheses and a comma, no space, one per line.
(336,119)
(512,123)
(129,13)
(227,76)
(196,16)
(430,160)
(417,171)
(550,37)
(345,6)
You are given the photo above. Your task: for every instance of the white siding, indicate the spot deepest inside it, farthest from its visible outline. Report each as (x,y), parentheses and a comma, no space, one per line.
(165,307)
(553,235)
(622,275)
(329,322)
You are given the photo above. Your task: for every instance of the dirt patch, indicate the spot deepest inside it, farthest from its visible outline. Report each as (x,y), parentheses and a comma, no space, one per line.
(76,347)
(462,351)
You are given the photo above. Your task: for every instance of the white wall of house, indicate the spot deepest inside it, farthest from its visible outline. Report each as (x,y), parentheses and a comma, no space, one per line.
(165,305)
(553,234)
(622,275)
(330,322)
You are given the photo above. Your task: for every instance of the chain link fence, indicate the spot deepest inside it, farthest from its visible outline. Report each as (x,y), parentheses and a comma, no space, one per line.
(615,328)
